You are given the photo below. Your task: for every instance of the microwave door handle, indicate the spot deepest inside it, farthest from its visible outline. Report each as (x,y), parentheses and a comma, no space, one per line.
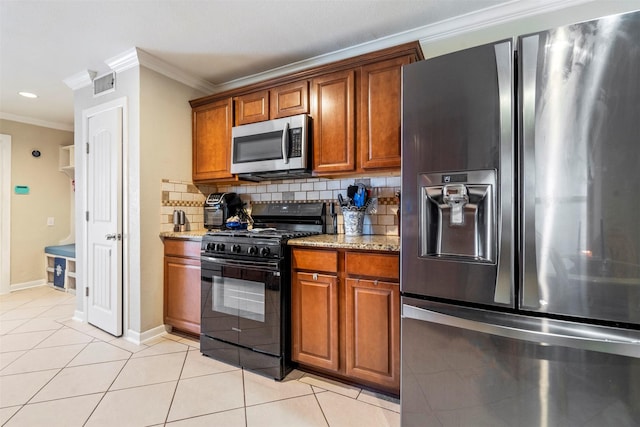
(285,143)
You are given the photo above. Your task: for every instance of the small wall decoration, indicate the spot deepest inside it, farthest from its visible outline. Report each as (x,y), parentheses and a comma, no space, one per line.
(21,189)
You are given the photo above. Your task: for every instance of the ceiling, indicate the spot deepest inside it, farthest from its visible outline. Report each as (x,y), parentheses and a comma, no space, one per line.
(42,43)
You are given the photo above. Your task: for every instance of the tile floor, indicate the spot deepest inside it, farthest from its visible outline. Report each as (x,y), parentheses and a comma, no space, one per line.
(55,371)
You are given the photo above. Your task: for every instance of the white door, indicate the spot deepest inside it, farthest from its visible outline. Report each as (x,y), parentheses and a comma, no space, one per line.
(104,220)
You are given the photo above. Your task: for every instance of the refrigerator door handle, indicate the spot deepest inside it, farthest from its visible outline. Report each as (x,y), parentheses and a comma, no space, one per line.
(530,295)
(504,291)
(538,330)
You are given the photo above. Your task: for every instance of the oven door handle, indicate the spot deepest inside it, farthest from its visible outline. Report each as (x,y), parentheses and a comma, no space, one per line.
(272,266)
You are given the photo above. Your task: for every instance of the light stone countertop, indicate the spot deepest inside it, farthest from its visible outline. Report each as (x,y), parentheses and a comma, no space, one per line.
(184,235)
(368,242)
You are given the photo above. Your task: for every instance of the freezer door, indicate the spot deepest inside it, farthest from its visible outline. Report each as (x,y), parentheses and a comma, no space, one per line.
(468,367)
(580,163)
(457,163)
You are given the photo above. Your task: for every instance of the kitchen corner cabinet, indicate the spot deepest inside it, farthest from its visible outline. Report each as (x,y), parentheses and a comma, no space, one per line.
(346,315)
(212,125)
(182,285)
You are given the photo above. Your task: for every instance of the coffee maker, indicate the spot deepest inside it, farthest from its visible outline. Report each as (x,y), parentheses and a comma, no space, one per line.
(220,206)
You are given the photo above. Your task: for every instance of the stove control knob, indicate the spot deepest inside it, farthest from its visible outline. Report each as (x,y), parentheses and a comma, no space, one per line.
(253,250)
(265,251)
(220,247)
(211,247)
(236,249)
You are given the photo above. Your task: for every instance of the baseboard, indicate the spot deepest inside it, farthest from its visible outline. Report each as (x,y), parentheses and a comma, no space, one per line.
(27,285)
(140,338)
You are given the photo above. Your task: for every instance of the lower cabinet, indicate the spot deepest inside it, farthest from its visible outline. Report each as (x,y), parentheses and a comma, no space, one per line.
(346,315)
(182,285)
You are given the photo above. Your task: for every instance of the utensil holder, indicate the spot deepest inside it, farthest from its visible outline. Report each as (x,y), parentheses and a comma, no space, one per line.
(353,221)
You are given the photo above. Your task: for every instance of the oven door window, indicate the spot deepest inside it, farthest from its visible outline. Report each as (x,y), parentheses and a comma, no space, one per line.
(239,298)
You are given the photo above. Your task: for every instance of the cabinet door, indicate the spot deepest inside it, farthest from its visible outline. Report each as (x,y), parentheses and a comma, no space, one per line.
(289,100)
(315,320)
(182,293)
(212,140)
(253,107)
(380,108)
(373,332)
(333,110)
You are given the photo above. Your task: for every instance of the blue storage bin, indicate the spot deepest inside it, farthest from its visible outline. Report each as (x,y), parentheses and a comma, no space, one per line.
(59,267)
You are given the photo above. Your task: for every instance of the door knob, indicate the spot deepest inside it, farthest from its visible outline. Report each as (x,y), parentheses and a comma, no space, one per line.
(113,236)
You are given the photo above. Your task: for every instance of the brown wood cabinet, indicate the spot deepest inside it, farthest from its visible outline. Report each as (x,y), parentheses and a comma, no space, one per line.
(182,285)
(346,315)
(314,297)
(354,104)
(333,112)
(252,108)
(278,102)
(212,125)
(380,114)
(289,100)
(372,313)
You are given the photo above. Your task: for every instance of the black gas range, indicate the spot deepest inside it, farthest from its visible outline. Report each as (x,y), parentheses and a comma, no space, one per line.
(246,287)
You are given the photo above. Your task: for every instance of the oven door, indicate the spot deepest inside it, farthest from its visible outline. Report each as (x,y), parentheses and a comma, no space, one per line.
(241,303)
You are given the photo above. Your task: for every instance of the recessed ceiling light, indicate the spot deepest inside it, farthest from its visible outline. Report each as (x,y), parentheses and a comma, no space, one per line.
(28,94)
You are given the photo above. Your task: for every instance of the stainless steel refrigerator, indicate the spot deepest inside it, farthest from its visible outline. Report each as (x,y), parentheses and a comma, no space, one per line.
(520,247)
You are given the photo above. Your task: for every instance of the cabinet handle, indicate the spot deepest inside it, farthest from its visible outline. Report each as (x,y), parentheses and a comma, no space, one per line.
(315,276)
(375,282)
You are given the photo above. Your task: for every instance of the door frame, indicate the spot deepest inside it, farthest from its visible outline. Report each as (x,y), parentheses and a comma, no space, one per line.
(5,214)
(81,152)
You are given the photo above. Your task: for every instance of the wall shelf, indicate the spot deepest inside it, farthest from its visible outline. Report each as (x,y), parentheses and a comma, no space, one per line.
(66,160)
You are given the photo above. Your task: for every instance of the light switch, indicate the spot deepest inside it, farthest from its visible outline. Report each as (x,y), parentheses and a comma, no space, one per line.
(50,221)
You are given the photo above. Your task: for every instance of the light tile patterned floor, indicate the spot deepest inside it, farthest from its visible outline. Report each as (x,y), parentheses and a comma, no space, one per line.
(55,371)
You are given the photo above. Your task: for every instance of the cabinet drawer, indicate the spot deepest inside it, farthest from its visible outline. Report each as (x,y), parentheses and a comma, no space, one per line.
(316,260)
(182,248)
(373,265)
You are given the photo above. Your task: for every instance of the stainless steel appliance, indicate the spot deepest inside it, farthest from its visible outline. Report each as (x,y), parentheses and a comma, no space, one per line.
(520,250)
(246,297)
(274,149)
(218,207)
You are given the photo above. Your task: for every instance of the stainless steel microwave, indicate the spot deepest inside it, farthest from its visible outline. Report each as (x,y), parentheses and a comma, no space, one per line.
(274,149)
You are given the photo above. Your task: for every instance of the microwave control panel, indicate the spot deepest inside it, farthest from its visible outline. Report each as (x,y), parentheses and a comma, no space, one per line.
(296,142)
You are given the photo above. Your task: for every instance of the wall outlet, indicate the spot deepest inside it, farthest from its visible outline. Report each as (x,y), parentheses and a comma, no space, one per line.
(50,221)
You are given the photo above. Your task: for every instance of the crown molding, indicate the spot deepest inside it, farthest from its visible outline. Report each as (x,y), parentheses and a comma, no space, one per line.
(80,80)
(37,122)
(459,25)
(123,61)
(135,57)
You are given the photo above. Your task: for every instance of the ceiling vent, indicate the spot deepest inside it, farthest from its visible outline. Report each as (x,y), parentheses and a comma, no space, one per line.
(104,84)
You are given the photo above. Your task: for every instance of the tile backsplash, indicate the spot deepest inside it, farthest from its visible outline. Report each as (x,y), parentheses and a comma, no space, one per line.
(190,198)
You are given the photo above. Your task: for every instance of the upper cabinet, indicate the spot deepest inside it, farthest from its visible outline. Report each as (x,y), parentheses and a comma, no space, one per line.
(212,125)
(333,112)
(281,101)
(252,108)
(380,113)
(354,105)
(289,100)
